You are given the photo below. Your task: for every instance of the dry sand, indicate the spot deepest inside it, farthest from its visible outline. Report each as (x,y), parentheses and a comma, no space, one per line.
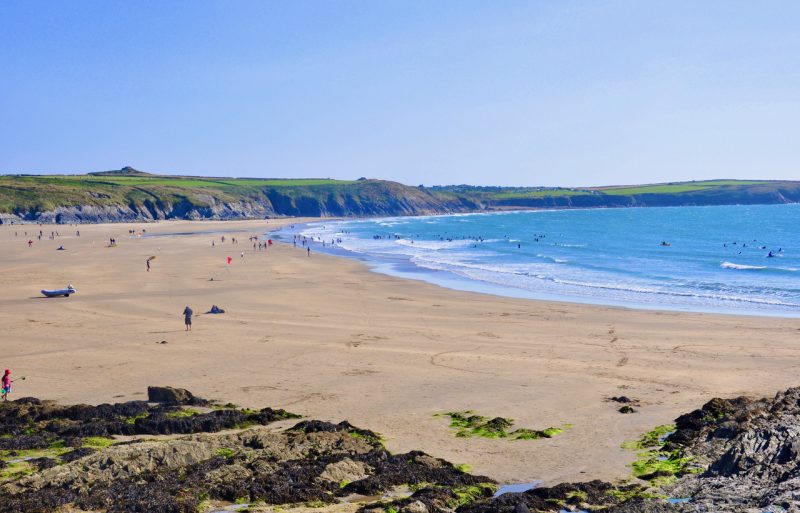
(325,337)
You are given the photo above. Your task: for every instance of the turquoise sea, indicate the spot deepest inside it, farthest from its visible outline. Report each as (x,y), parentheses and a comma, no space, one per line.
(710,259)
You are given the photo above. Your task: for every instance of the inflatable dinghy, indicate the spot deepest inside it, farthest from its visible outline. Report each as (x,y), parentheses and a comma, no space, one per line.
(60,292)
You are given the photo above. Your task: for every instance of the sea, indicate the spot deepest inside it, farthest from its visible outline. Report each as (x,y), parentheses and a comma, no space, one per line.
(737,259)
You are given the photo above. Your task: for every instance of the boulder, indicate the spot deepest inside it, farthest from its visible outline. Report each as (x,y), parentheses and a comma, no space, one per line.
(345,470)
(415,507)
(169,395)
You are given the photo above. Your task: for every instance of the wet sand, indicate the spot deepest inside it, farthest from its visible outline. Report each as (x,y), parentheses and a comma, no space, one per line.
(325,337)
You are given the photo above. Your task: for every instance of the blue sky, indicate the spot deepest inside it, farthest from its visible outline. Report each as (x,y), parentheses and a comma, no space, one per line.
(435,92)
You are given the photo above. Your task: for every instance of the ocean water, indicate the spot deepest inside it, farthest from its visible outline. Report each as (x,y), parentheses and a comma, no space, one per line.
(717,258)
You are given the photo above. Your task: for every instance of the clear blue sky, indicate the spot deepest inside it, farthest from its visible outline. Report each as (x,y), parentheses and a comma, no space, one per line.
(434,92)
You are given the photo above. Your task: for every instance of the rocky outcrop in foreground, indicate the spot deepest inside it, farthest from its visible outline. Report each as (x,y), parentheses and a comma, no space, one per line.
(749,452)
(737,455)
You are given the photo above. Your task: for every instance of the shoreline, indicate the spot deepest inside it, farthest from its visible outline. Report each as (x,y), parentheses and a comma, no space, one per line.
(328,338)
(404,268)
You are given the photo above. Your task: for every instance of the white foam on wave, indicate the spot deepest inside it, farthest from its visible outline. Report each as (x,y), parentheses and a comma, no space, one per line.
(435,245)
(641,290)
(533,277)
(551,259)
(742,267)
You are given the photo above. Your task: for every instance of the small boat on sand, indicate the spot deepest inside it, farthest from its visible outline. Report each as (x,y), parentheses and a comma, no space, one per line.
(60,292)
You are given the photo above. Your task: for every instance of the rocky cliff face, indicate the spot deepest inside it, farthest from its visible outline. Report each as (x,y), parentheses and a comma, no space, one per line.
(370,198)
(78,200)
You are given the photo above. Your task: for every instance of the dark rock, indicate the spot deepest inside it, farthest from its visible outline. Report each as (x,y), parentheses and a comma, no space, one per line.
(412,468)
(169,395)
(521,508)
(21,442)
(43,463)
(621,399)
(656,475)
(602,496)
(316,426)
(77,454)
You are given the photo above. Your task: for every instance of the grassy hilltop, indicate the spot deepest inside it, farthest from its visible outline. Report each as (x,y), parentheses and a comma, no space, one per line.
(708,192)
(128,194)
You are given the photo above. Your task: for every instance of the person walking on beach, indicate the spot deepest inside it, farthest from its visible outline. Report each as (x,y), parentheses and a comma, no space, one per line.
(148,264)
(6,384)
(187,318)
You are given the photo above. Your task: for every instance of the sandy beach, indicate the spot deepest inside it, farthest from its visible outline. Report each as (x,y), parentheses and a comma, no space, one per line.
(324,337)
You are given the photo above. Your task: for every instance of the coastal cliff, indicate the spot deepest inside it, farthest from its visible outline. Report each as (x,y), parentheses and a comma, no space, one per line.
(130,195)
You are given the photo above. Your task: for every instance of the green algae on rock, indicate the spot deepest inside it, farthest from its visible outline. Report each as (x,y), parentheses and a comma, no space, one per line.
(655,461)
(468,424)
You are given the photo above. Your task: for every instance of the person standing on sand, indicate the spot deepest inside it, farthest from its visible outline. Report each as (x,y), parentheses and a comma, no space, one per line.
(6,385)
(187,318)
(148,264)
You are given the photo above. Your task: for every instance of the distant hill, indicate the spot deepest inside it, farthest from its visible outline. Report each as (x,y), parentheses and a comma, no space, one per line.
(125,171)
(131,195)
(708,192)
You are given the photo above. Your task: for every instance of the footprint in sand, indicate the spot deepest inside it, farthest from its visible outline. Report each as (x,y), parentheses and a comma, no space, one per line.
(315,397)
(359,338)
(612,332)
(359,372)
(257,388)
